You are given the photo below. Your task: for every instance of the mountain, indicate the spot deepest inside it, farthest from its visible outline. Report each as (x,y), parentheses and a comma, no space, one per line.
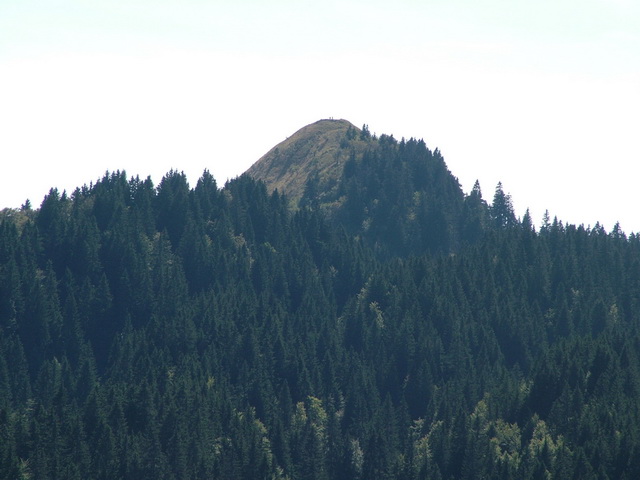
(387,327)
(398,196)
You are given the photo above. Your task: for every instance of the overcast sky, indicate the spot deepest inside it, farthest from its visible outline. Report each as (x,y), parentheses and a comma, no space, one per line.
(543,96)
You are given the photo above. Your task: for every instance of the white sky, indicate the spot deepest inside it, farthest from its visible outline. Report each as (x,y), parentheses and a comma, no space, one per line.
(543,96)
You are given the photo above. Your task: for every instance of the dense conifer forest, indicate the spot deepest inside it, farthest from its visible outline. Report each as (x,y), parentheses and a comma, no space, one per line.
(410,331)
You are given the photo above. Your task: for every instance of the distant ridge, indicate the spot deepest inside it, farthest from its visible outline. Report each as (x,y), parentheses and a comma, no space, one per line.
(316,149)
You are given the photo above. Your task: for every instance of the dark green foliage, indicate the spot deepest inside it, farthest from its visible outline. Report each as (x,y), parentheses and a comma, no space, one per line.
(418,333)
(400,198)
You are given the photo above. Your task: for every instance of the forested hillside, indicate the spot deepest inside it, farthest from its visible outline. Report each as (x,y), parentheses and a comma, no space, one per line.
(409,332)
(397,196)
